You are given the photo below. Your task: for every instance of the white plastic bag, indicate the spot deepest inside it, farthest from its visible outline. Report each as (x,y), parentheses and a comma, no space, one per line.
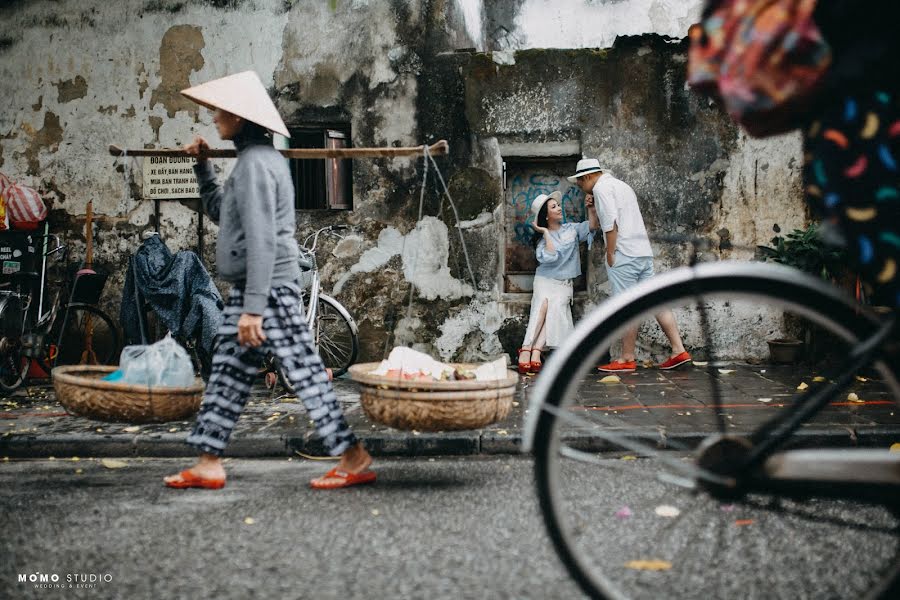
(164,363)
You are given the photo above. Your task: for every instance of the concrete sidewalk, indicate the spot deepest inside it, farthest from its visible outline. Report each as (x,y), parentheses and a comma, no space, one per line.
(667,405)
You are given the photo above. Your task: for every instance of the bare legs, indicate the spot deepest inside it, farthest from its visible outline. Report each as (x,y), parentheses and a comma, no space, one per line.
(667,322)
(540,338)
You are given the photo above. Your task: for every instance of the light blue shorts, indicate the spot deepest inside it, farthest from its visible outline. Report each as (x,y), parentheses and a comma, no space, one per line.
(628,271)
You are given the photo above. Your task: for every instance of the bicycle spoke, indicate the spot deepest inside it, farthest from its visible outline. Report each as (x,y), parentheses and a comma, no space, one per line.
(628,443)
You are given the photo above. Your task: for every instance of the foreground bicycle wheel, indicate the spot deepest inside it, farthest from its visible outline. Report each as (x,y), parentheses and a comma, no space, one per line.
(628,506)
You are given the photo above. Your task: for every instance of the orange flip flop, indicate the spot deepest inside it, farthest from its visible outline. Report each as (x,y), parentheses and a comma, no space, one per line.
(345,479)
(189,480)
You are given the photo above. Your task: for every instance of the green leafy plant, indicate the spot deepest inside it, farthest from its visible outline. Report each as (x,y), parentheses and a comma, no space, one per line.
(804,249)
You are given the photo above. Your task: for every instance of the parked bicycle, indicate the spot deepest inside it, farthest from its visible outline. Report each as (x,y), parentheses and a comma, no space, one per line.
(333,329)
(69,329)
(749,511)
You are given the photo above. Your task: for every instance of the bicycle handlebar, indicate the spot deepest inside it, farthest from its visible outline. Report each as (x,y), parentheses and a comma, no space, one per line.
(315,236)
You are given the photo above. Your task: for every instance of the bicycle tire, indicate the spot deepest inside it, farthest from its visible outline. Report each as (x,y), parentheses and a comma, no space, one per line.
(557,385)
(13,366)
(70,336)
(336,337)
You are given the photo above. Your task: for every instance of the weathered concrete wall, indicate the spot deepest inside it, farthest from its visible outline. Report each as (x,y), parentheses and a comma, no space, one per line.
(90,73)
(693,172)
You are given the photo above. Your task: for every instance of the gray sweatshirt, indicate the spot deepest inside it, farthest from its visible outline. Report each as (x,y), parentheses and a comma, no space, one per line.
(256,249)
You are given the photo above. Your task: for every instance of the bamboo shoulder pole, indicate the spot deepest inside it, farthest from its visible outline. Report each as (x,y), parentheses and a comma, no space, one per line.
(438,148)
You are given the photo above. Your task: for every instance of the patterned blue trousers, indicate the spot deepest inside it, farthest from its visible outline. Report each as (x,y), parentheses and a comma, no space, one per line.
(234,368)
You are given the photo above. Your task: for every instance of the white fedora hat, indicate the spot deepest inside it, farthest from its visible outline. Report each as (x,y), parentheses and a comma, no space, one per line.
(241,94)
(586,166)
(538,202)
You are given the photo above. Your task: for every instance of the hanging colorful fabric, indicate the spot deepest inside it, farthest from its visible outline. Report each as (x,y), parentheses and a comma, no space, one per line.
(5,183)
(22,205)
(765,59)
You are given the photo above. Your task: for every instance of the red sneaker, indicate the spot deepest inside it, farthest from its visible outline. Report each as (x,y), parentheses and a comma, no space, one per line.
(675,361)
(617,366)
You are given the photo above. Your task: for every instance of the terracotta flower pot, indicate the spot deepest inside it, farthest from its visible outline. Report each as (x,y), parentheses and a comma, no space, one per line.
(785,350)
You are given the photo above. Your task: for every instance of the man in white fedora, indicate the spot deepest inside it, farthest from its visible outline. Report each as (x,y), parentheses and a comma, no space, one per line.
(629,257)
(256,252)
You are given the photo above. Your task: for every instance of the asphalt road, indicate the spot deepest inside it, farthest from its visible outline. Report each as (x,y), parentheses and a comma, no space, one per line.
(430,528)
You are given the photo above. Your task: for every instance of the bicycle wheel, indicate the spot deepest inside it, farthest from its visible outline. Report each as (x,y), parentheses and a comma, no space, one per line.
(85,335)
(13,365)
(335,336)
(627,505)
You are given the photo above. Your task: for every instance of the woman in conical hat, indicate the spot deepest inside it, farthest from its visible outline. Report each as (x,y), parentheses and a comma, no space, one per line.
(256,252)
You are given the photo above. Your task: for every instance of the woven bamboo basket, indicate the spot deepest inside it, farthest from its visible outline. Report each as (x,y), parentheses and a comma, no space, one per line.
(433,405)
(81,391)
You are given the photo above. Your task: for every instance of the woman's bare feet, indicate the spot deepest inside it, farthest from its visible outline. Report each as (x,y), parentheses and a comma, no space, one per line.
(354,461)
(208,468)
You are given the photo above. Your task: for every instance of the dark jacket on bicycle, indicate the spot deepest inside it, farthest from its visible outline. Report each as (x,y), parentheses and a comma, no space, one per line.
(256,249)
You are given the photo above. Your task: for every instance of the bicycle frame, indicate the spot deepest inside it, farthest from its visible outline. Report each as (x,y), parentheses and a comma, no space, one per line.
(314,290)
(835,473)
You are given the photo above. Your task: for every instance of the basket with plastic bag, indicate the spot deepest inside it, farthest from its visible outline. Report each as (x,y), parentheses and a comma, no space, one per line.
(153,383)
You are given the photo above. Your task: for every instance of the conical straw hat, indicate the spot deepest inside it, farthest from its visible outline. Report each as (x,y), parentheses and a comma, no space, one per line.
(241,94)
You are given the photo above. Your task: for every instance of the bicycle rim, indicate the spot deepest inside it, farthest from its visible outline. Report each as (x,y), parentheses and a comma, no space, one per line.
(88,336)
(13,366)
(335,336)
(614,461)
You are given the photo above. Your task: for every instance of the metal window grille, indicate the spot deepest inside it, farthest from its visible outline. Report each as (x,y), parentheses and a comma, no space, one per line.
(322,183)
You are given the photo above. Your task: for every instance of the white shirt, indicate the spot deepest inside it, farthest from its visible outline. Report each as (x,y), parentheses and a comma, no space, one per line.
(617,204)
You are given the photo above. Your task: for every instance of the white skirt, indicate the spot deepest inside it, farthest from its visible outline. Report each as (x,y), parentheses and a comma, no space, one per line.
(558,322)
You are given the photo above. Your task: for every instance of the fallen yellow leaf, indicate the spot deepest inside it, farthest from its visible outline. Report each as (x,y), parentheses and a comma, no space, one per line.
(863,379)
(667,511)
(375,512)
(818,378)
(110,463)
(802,386)
(629,457)
(764,400)
(852,397)
(249,521)
(726,371)
(700,363)
(611,379)
(895,447)
(132,429)
(173,430)
(649,565)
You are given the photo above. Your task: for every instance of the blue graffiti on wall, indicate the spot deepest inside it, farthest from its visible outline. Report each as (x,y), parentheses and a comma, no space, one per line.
(523,189)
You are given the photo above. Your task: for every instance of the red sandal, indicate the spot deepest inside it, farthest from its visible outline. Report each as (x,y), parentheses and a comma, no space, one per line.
(345,478)
(524,366)
(535,367)
(189,480)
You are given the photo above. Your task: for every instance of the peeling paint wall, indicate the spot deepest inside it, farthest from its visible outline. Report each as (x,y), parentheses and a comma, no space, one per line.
(91,73)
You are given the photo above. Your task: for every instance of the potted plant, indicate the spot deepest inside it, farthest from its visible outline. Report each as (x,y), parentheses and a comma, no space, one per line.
(802,249)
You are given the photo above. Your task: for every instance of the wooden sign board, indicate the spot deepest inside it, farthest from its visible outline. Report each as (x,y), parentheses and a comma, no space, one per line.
(169,177)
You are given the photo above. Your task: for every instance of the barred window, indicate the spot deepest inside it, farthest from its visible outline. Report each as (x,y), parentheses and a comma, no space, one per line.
(322,183)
